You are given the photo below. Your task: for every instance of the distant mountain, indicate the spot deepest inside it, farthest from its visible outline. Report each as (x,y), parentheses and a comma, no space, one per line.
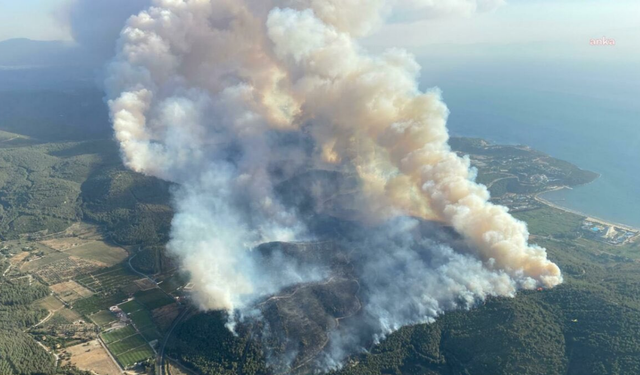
(32,53)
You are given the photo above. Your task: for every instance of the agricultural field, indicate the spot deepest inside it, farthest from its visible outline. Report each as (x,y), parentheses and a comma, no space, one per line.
(127,346)
(103,318)
(154,298)
(135,355)
(164,316)
(117,334)
(151,333)
(108,280)
(50,303)
(96,303)
(68,315)
(99,251)
(91,356)
(70,291)
(58,267)
(78,234)
(40,262)
(173,283)
(145,284)
(130,306)
(142,319)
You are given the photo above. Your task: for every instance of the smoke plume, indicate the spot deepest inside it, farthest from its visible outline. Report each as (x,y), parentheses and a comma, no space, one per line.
(233,98)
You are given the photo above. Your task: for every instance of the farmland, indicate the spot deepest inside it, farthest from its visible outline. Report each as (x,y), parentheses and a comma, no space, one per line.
(100,251)
(119,334)
(91,356)
(154,298)
(127,346)
(96,303)
(108,280)
(103,318)
(135,355)
(70,291)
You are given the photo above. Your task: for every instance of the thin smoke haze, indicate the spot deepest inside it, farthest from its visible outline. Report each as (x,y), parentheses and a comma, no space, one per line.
(230,99)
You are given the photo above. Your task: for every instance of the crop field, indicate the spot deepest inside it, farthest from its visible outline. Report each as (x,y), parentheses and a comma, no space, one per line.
(126,344)
(95,303)
(173,283)
(57,267)
(164,316)
(118,334)
(70,291)
(108,280)
(151,333)
(142,319)
(69,316)
(44,261)
(91,356)
(50,303)
(103,318)
(145,284)
(100,251)
(135,355)
(131,306)
(154,298)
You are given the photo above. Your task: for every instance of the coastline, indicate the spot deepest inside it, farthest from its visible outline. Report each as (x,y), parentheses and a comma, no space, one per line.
(575,212)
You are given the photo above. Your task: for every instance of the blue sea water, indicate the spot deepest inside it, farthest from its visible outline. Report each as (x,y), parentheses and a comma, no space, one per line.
(589,116)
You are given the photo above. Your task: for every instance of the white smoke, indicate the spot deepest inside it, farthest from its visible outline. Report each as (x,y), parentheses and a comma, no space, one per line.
(228,98)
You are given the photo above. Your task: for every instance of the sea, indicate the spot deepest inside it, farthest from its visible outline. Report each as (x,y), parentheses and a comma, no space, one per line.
(587,114)
(584,113)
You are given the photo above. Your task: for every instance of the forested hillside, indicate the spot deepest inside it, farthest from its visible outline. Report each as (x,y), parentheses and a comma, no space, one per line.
(588,325)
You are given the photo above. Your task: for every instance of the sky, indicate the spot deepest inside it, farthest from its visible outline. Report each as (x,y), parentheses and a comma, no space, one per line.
(32,19)
(561,22)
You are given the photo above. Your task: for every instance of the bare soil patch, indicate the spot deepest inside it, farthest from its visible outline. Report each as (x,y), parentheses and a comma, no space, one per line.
(145,284)
(91,356)
(70,291)
(20,257)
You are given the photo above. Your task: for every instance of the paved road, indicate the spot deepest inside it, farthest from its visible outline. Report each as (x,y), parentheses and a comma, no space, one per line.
(160,356)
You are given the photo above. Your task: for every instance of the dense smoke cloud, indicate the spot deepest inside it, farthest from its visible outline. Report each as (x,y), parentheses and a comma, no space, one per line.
(232,98)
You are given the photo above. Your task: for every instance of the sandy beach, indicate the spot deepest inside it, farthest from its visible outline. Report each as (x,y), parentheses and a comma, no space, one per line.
(587,217)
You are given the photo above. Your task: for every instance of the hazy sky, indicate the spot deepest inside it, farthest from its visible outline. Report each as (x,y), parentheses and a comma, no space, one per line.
(520,21)
(33,19)
(526,21)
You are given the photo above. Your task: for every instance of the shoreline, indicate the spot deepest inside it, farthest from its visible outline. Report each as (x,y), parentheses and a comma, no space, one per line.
(575,212)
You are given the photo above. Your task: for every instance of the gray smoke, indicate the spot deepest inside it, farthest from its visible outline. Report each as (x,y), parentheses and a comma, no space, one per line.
(232,98)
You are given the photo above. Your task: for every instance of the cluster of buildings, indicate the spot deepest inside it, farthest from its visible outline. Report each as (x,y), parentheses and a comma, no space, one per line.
(517,202)
(607,233)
